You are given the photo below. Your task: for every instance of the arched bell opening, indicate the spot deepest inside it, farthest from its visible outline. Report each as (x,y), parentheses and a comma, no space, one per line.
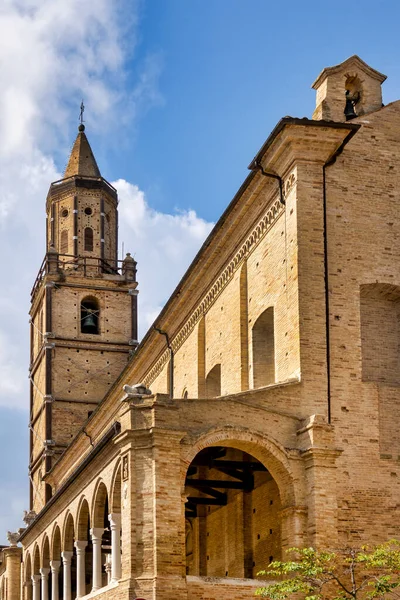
(90,316)
(232,513)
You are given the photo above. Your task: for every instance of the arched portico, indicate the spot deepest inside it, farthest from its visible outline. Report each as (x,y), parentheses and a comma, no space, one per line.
(242,496)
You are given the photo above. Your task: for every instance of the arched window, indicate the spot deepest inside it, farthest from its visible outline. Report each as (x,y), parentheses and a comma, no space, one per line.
(213,382)
(64,242)
(90,316)
(263,344)
(88,239)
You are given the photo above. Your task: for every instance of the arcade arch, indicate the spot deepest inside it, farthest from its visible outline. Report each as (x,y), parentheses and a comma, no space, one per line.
(240,496)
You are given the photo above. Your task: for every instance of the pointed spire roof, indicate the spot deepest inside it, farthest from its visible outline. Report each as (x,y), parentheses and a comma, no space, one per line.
(82,161)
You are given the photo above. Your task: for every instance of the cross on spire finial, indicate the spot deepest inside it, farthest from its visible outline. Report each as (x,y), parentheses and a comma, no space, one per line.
(81,126)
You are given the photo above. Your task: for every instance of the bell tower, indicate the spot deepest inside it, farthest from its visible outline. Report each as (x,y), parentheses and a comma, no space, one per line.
(83,312)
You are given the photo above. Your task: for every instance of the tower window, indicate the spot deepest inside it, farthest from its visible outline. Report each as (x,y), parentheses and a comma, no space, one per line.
(64,212)
(64,242)
(88,210)
(88,239)
(90,316)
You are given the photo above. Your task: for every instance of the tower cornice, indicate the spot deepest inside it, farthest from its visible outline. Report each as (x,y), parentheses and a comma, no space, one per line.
(65,186)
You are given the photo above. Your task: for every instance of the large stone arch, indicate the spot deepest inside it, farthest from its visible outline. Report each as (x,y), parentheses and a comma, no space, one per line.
(287,520)
(267,450)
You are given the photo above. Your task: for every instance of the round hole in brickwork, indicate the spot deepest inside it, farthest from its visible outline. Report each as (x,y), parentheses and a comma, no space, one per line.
(88,210)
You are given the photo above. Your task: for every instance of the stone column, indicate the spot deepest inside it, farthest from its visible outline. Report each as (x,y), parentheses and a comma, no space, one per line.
(80,568)
(35,587)
(97,533)
(115,525)
(108,568)
(44,574)
(55,570)
(67,557)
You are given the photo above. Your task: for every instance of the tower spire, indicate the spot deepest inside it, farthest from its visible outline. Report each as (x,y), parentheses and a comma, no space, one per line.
(82,161)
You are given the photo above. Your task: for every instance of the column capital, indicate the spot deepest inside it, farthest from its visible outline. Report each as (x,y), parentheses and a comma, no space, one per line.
(96,533)
(55,565)
(67,556)
(80,545)
(44,571)
(115,520)
(35,579)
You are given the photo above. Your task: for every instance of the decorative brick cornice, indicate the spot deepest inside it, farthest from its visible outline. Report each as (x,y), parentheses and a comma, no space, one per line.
(273,212)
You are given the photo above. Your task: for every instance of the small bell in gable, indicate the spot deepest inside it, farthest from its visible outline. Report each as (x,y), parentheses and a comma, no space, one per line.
(351,101)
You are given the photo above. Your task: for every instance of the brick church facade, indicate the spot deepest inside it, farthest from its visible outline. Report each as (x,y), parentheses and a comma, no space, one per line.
(267,414)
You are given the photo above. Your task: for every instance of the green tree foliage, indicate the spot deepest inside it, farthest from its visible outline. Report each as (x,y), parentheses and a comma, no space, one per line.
(358,574)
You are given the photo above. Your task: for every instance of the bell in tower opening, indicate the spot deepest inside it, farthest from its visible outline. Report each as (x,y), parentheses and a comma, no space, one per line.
(90,316)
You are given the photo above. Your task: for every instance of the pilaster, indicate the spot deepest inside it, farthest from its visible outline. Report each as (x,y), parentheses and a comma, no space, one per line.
(158,528)
(12,558)
(317,445)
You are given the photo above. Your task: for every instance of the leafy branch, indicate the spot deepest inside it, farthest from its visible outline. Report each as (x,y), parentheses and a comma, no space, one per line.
(349,574)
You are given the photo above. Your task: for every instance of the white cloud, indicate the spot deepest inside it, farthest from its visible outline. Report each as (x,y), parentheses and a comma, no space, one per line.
(162,244)
(53,53)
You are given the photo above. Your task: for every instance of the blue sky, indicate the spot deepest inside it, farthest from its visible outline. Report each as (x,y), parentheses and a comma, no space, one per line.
(179,95)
